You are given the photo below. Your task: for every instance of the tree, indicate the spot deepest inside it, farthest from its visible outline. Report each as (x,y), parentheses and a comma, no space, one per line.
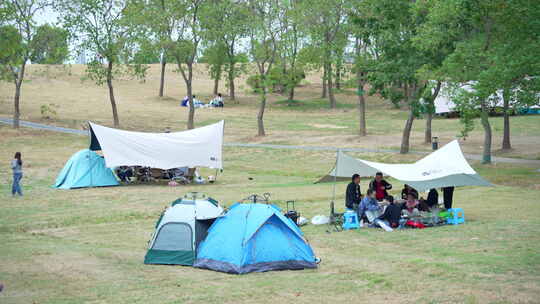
(497,46)
(17,18)
(429,96)
(263,48)
(326,20)
(184,43)
(154,22)
(49,45)
(361,78)
(291,35)
(388,28)
(99,27)
(227,22)
(215,56)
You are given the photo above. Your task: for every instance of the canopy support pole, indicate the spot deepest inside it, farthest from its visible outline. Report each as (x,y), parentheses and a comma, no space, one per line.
(335,179)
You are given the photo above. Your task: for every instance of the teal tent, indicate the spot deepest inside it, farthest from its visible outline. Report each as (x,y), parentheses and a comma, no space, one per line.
(85,169)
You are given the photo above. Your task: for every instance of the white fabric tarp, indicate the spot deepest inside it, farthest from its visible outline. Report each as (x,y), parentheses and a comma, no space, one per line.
(200,147)
(444,103)
(442,168)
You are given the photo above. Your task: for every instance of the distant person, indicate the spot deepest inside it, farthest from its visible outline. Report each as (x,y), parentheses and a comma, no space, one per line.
(16,167)
(217,102)
(380,186)
(353,193)
(369,207)
(406,190)
(448,197)
(185,101)
(196,102)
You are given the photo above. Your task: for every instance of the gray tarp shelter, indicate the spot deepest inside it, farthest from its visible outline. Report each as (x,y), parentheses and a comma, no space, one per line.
(443,168)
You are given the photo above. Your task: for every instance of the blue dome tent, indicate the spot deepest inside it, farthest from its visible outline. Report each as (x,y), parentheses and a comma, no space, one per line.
(85,169)
(254,238)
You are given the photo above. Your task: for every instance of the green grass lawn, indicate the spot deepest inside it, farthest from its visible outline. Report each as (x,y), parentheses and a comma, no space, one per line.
(88,245)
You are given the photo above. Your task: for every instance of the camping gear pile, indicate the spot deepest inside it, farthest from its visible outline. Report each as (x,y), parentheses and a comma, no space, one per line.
(252,236)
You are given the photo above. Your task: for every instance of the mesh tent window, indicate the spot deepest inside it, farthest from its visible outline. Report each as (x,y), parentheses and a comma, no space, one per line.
(174,237)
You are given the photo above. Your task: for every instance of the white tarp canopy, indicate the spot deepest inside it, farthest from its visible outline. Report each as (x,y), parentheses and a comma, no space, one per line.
(443,168)
(200,147)
(444,103)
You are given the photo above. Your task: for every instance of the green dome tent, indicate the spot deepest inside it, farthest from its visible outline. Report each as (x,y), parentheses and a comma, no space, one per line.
(85,169)
(181,228)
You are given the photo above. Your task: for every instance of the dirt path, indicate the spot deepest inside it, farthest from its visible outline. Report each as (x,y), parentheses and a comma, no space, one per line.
(270,146)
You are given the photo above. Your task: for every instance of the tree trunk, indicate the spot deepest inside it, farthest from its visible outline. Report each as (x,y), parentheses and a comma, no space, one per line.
(407,133)
(260,115)
(484,117)
(291,94)
(16,103)
(429,116)
(111,93)
(17,98)
(338,76)
(231,82)
(330,88)
(216,80)
(216,86)
(191,115)
(428,134)
(361,106)
(162,78)
(324,81)
(506,132)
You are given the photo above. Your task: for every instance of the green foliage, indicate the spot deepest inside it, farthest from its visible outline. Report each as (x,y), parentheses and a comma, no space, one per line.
(49,45)
(48,111)
(10,51)
(107,35)
(215,56)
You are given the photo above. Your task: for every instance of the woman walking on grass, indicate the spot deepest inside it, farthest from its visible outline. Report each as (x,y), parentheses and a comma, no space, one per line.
(16,166)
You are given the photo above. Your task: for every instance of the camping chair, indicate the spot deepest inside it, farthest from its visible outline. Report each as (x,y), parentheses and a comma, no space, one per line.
(336,220)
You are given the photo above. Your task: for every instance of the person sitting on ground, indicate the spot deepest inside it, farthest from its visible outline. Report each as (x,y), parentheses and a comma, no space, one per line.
(217,102)
(369,207)
(411,205)
(185,101)
(406,190)
(353,193)
(380,186)
(392,213)
(124,173)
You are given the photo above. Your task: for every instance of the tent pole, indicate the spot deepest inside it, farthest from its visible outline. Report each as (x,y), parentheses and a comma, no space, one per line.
(335,176)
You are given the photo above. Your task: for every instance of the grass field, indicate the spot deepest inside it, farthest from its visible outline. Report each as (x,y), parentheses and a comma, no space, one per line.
(88,245)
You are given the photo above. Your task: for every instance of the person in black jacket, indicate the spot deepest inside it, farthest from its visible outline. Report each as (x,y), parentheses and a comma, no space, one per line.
(392,213)
(432,198)
(353,194)
(448,197)
(379,186)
